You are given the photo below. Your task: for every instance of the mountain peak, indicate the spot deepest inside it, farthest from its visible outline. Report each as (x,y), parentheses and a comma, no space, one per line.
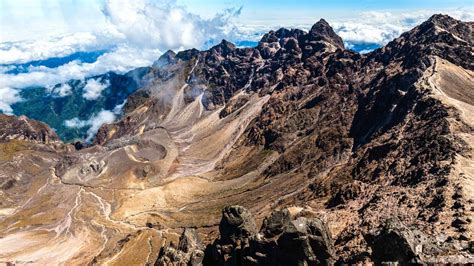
(321,27)
(441,19)
(224,47)
(445,22)
(169,54)
(165,59)
(187,54)
(324,31)
(321,22)
(225,43)
(441,28)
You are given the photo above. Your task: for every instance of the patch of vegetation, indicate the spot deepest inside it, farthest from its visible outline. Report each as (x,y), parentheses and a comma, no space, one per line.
(9,149)
(41,104)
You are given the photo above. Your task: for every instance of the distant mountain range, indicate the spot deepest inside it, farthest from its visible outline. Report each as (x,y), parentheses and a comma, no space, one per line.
(54,106)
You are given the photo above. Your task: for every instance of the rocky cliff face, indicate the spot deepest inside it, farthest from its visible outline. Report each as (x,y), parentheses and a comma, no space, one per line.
(22,128)
(332,157)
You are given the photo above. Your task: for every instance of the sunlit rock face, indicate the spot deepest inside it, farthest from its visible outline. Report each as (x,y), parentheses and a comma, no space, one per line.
(295,143)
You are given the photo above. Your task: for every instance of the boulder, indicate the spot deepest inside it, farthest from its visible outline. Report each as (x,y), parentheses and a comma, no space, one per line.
(236,223)
(276,223)
(306,242)
(395,243)
(189,251)
(281,241)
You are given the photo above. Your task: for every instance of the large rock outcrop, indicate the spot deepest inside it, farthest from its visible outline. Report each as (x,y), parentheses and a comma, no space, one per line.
(284,239)
(22,128)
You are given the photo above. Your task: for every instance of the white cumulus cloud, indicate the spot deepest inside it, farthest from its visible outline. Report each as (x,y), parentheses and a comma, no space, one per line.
(76,123)
(165,24)
(93,89)
(135,34)
(94,123)
(120,60)
(58,46)
(8,96)
(62,90)
(382,27)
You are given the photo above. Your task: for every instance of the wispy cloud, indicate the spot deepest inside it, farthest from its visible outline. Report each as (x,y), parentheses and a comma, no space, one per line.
(119,60)
(165,25)
(93,123)
(8,96)
(58,46)
(382,27)
(376,27)
(139,31)
(62,90)
(94,88)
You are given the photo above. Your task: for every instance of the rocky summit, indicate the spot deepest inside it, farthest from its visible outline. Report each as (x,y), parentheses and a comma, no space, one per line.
(295,152)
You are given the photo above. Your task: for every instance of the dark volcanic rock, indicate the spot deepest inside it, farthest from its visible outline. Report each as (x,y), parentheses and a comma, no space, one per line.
(22,128)
(236,223)
(189,251)
(322,31)
(286,241)
(276,223)
(306,241)
(224,48)
(395,243)
(167,58)
(187,54)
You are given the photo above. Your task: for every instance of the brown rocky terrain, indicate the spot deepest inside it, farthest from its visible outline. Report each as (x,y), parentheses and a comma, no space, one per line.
(24,129)
(294,152)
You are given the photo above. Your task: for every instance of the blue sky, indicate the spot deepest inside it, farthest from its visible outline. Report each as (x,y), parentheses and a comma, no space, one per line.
(28,19)
(334,6)
(262,10)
